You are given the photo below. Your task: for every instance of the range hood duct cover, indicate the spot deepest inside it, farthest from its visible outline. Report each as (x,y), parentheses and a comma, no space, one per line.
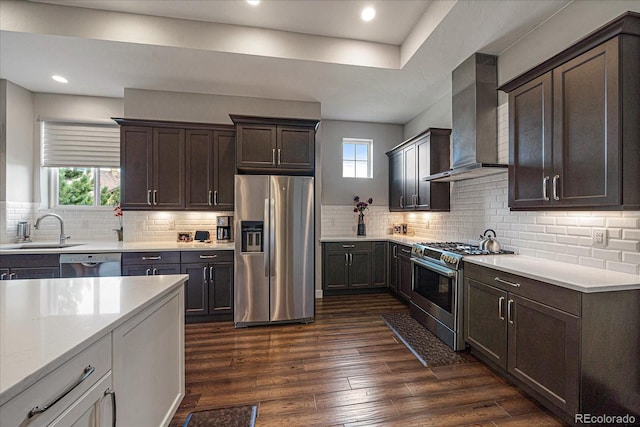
(474,134)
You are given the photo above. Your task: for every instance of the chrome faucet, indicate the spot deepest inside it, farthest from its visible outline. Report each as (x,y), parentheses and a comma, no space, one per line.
(63,237)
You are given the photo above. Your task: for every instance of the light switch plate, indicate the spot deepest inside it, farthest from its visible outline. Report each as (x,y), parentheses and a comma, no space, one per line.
(600,237)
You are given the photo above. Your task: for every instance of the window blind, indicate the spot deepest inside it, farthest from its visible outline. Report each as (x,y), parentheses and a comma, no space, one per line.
(80,145)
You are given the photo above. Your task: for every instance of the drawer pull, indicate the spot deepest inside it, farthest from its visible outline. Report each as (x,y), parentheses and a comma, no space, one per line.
(114,411)
(406,251)
(348,246)
(497,279)
(85,374)
(151,258)
(208,256)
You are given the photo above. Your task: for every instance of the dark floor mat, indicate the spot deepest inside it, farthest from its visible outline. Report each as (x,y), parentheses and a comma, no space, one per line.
(422,343)
(238,416)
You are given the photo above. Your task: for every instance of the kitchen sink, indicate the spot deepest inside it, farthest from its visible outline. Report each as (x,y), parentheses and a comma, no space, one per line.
(47,245)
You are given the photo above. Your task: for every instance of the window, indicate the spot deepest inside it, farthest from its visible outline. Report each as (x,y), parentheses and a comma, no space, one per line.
(356,158)
(86,186)
(84,160)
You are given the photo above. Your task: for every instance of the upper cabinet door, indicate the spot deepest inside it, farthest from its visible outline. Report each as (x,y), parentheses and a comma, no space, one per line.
(296,148)
(396,180)
(225,169)
(136,167)
(200,169)
(530,138)
(256,146)
(586,149)
(168,168)
(410,177)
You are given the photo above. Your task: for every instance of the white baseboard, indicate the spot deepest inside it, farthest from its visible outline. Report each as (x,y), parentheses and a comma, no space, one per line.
(318,293)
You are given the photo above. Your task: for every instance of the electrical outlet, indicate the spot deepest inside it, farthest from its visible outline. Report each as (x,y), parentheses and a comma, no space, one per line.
(600,237)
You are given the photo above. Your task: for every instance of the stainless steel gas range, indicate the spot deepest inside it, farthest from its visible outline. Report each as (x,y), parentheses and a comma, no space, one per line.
(437,287)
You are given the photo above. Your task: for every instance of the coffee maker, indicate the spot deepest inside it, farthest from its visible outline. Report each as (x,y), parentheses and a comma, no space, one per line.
(224,230)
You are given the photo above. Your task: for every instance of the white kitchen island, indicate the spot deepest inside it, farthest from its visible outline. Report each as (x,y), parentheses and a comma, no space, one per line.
(95,341)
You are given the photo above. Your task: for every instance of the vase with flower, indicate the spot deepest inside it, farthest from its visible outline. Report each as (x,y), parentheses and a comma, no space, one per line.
(359,208)
(117,212)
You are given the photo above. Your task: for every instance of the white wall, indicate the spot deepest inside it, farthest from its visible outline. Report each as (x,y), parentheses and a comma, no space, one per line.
(19,144)
(438,115)
(337,190)
(193,107)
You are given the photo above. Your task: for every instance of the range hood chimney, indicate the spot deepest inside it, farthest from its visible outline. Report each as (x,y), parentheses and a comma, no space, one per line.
(474,121)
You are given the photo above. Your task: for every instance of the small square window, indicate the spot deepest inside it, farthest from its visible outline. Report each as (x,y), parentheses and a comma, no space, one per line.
(356,158)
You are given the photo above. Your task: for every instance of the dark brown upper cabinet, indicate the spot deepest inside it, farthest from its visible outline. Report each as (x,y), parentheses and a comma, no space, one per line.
(210,169)
(411,161)
(275,146)
(176,165)
(152,168)
(574,125)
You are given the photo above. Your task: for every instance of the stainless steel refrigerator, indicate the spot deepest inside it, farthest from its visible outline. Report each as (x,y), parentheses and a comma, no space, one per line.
(274,256)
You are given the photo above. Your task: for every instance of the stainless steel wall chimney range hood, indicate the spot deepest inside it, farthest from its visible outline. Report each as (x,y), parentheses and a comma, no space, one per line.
(474,121)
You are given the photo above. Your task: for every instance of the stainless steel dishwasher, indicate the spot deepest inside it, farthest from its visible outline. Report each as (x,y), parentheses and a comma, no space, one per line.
(90,265)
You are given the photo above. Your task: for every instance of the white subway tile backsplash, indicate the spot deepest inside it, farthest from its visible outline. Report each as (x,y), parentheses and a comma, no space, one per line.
(625,245)
(622,267)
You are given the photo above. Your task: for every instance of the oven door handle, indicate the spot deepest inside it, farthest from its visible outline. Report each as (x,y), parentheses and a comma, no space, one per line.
(440,270)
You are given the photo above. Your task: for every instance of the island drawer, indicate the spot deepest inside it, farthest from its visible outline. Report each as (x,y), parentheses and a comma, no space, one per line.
(76,376)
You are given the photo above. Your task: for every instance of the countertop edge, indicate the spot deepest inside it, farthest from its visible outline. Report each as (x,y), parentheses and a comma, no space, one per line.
(632,284)
(41,372)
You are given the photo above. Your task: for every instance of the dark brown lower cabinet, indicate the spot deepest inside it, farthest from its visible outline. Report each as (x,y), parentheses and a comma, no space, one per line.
(35,266)
(209,289)
(569,350)
(354,265)
(399,278)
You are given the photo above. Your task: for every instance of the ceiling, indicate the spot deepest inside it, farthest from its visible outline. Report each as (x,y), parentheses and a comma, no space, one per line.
(387,70)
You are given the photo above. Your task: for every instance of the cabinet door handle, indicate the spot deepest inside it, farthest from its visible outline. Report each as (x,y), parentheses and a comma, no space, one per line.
(348,246)
(114,411)
(499,280)
(402,201)
(208,256)
(155,271)
(395,252)
(155,197)
(151,258)
(148,272)
(211,275)
(215,198)
(85,374)
(545,181)
(555,187)
(273,156)
(350,259)
(279,156)
(346,259)
(509,314)
(149,197)
(210,199)
(204,274)
(500,309)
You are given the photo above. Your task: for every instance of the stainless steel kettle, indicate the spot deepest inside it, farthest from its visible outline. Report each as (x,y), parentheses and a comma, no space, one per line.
(488,243)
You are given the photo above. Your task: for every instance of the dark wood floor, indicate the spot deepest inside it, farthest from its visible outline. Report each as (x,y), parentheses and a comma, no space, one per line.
(345,369)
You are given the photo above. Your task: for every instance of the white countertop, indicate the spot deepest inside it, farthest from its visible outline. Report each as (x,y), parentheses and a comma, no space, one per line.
(45,322)
(577,277)
(110,246)
(396,238)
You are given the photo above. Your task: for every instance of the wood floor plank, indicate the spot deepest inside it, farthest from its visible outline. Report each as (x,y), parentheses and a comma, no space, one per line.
(346,368)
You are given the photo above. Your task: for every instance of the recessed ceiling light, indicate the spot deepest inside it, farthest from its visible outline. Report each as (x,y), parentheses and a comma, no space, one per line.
(60,79)
(368,13)
(253,2)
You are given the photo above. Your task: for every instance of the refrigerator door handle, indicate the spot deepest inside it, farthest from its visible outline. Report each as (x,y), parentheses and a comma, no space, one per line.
(266,253)
(272,237)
